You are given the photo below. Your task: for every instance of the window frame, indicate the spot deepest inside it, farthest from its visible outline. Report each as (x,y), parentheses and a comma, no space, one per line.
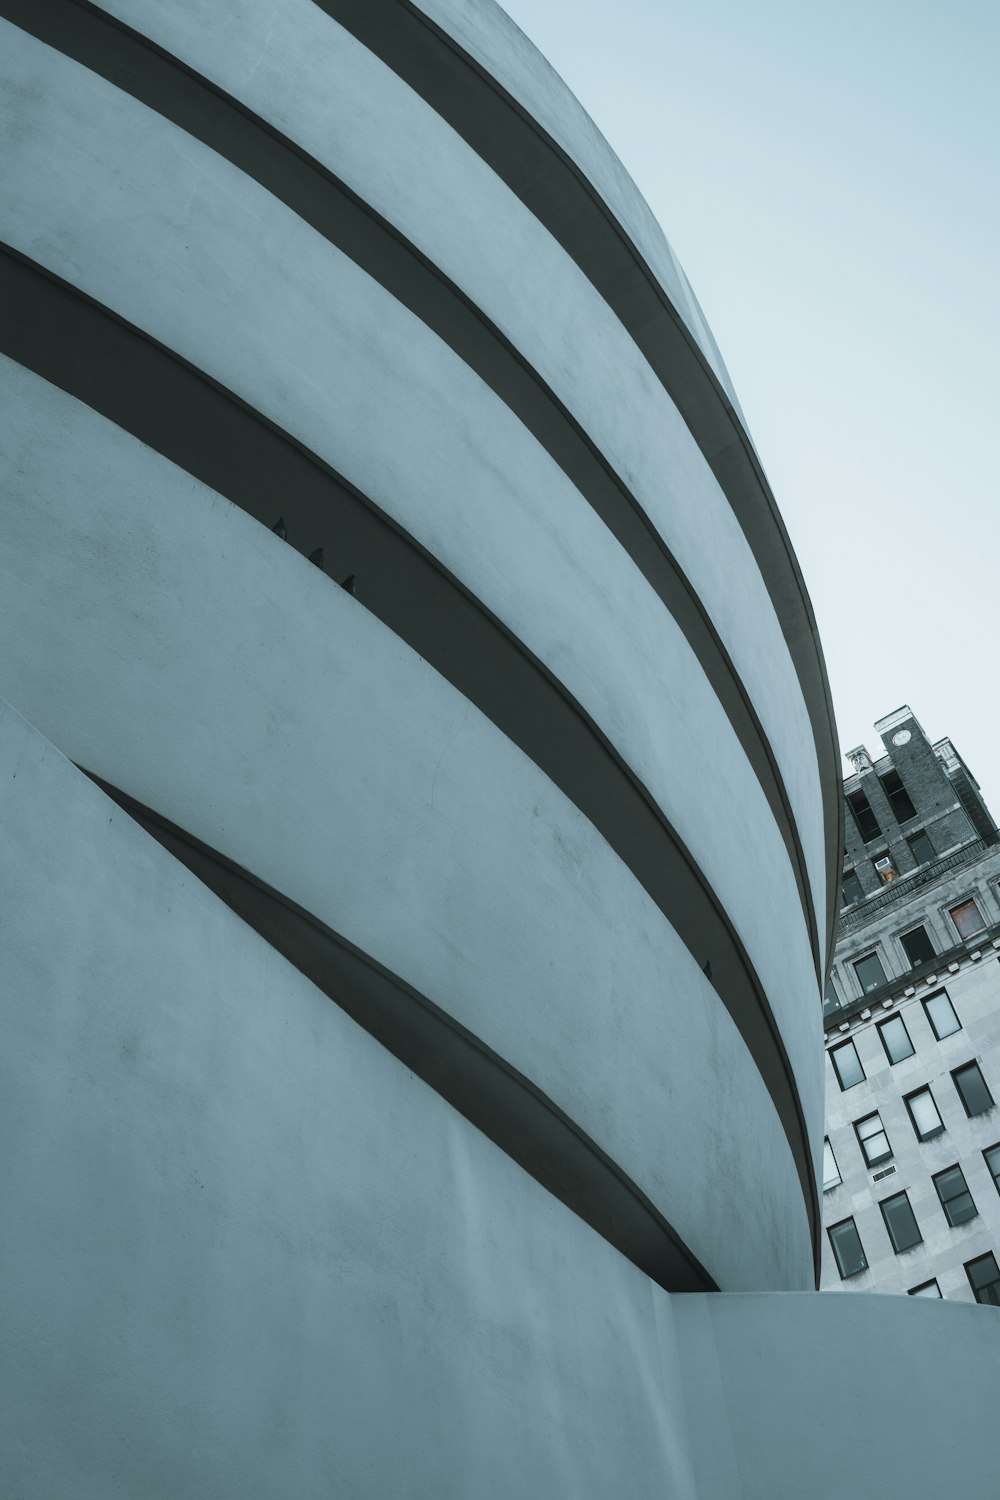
(913,1094)
(995,1282)
(963,1192)
(967,937)
(921,1290)
(861,813)
(883,1205)
(842,1047)
(927,1001)
(893,794)
(850,874)
(967,1067)
(864,958)
(910,931)
(913,838)
(993,1171)
(882,1026)
(829,1183)
(863,1140)
(831,1230)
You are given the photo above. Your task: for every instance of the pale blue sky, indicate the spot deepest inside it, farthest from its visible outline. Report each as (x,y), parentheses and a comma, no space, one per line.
(830,179)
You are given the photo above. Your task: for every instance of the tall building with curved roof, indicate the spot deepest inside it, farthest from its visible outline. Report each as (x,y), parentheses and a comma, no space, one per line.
(422,822)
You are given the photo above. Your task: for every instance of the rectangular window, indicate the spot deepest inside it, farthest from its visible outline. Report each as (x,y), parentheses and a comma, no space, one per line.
(923,1114)
(956,1200)
(895,1039)
(925,1289)
(972,1089)
(885,869)
(992,1155)
(984,1278)
(831,1172)
(847,1065)
(900,1223)
(921,847)
(872,1139)
(847,1248)
(917,946)
(941,1014)
(831,1000)
(870,972)
(851,889)
(899,797)
(968,919)
(863,816)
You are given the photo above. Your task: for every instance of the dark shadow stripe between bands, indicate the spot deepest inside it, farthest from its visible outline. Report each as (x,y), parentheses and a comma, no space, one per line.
(131,62)
(551,185)
(119,371)
(496,1098)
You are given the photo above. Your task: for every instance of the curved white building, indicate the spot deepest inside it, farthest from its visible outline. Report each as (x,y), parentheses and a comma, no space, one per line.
(412,984)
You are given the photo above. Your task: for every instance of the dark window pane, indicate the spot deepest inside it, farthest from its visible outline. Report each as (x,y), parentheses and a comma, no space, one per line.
(941,1015)
(831,1000)
(924,1114)
(984,1278)
(900,1223)
(992,1155)
(870,972)
(899,797)
(863,816)
(917,946)
(852,889)
(847,1065)
(926,1289)
(895,1039)
(972,1089)
(956,1200)
(872,1139)
(847,1248)
(921,848)
(967,919)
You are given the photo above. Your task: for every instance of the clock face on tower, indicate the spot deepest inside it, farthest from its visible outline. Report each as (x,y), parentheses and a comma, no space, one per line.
(901,737)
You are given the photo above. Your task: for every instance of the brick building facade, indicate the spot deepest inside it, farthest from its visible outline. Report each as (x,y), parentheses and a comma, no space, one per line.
(911,1194)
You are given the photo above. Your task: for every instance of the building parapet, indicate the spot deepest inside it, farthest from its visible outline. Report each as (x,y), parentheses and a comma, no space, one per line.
(901,889)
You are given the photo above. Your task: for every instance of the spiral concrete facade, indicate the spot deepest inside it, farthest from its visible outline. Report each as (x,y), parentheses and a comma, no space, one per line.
(548,811)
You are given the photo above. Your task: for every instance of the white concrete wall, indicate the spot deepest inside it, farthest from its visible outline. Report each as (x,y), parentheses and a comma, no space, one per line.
(809,1397)
(172,645)
(248,1253)
(317,84)
(219,270)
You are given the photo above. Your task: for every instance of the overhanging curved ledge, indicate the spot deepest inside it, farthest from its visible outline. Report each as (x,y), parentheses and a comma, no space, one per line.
(546,179)
(82,347)
(138,66)
(475,1080)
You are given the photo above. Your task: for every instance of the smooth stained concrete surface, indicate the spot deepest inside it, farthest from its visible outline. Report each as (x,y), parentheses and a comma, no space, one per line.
(313,749)
(553,316)
(410,992)
(267,1260)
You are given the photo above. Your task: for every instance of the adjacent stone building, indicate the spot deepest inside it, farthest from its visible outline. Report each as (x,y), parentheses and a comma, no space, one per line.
(911,1199)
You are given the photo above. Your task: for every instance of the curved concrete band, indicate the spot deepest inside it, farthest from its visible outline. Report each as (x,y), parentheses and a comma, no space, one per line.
(144,391)
(168,284)
(273,718)
(268,1260)
(131,62)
